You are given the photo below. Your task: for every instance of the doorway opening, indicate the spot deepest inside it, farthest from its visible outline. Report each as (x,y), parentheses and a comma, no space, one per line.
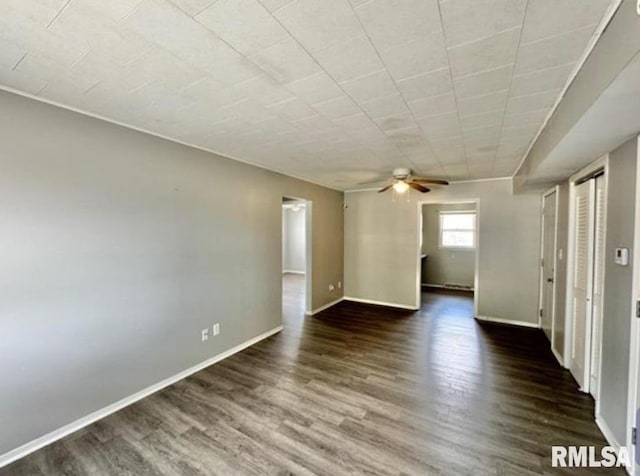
(296,257)
(448,246)
(587,226)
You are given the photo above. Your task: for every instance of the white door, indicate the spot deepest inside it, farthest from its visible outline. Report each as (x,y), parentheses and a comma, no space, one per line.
(582,283)
(598,284)
(548,262)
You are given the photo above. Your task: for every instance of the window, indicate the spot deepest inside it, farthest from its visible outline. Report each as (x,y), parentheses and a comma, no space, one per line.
(458,229)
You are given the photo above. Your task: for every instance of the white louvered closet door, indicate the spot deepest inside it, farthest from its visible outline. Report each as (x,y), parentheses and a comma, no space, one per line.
(582,282)
(598,284)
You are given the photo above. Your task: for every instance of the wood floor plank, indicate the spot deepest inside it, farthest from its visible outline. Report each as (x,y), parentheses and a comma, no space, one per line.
(356,389)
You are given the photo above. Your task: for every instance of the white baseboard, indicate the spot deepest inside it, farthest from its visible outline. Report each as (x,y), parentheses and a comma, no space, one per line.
(558,357)
(322,308)
(284,271)
(500,320)
(608,434)
(55,435)
(444,286)
(381,303)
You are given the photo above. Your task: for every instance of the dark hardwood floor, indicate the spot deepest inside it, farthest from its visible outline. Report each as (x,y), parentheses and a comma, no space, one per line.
(357,389)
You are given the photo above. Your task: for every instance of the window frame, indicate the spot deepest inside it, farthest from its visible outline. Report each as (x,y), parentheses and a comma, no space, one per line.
(473,230)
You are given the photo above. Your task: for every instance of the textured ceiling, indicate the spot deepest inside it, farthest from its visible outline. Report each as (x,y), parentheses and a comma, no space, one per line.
(334,91)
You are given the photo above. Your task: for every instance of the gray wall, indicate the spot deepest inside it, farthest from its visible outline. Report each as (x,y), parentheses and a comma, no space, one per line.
(618,289)
(445,265)
(381,243)
(293,240)
(117,248)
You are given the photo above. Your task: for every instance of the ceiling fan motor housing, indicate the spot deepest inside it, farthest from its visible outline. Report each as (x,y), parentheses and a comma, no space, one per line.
(401,173)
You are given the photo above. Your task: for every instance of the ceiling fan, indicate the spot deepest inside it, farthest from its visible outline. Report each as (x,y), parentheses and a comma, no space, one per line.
(403,180)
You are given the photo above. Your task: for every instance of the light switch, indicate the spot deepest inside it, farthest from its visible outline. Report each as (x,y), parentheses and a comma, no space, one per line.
(622,256)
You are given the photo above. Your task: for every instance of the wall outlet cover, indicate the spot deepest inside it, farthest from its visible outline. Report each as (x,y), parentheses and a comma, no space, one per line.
(216,329)
(205,334)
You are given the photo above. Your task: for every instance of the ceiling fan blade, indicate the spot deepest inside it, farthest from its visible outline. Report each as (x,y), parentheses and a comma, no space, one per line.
(385,188)
(418,187)
(432,181)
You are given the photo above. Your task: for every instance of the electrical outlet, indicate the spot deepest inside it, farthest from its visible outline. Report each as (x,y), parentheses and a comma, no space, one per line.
(331,287)
(339,284)
(205,334)
(216,329)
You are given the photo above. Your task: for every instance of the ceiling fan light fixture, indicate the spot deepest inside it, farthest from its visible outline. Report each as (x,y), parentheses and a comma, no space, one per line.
(403,180)
(401,186)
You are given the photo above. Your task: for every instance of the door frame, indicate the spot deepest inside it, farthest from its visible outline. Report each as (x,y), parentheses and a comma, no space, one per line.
(476,286)
(603,280)
(634,348)
(600,164)
(545,197)
(308,251)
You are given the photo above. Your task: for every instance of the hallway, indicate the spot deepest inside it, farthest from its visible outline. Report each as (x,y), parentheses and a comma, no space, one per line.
(354,390)
(293,296)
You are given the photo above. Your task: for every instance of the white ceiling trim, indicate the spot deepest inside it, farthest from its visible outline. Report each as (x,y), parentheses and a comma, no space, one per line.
(155,134)
(482,180)
(339,91)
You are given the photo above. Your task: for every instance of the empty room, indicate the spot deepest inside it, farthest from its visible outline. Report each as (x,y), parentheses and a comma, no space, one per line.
(319,237)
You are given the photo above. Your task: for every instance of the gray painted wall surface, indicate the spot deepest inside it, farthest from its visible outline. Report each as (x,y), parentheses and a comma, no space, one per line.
(451,266)
(381,243)
(618,289)
(117,248)
(293,240)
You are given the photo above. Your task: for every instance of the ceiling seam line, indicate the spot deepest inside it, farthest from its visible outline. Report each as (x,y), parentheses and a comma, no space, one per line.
(247,58)
(161,136)
(558,35)
(516,54)
(339,85)
(546,91)
(482,38)
(455,96)
(57,15)
(484,71)
(531,73)
(399,93)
